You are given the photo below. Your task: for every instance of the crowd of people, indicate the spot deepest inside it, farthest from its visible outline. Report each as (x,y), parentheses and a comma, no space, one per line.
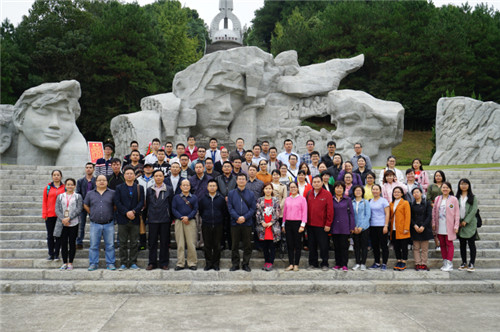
(218,199)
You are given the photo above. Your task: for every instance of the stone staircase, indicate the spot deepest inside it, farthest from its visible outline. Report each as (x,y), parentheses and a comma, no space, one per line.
(23,268)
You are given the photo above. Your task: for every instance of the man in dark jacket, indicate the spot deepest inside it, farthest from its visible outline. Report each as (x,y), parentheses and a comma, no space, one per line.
(241,206)
(157,214)
(225,183)
(174,179)
(116,178)
(129,201)
(83,186)
(212,207)
(199,183)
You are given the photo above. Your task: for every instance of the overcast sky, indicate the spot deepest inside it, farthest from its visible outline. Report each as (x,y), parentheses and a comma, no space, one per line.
(243,9)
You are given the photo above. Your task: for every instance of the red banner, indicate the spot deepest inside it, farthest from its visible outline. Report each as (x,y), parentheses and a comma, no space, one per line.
(96,151)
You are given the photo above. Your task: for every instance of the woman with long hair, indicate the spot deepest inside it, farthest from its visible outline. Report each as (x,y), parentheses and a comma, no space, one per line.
(304,167)
(467,233)
(68,208)
(391,166)
(421,176)
(304,187)
(433,191)
(50,193)
(445,223)
(399,221)
(389,183)
(370,181)
(294,222)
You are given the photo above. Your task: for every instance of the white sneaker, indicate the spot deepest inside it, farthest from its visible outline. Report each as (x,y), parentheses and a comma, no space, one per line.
(444,264)
(356,267)
(438,248)
(449,266)
(351,248)
(363,267)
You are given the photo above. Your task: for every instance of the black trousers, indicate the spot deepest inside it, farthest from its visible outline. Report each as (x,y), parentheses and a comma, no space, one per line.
(400,247)
(317,238)
(212,236)
(361,246)
(53,243)
(341,243)
(379,241)
(293,241)
(226,236)
(243,234)
(269,250)
(162,231)
(68,238)
(472,247)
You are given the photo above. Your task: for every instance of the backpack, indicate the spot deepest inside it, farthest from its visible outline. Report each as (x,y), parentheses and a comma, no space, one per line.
(479,219)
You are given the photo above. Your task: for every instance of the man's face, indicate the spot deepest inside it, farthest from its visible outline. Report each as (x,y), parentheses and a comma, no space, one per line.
(213,144)
(159,177)
(134,146)
(155,146)
(241,181)
(272,154)
(49,126)
(237,164)
(175,169)
(315,158)
(148,170)
(135,156)
(201,154)
(184,161)
(293,160)
(116,167)
(224,154)
(331,149)
(185,186)
(212,188)
(316,183)
(209,165)
(180,150)
(248,157)
(358,149)
(108,151)
(169,148)
(226,169)
(288,146)
(129,175)
(310,146)
(198,168)
(252,172)
(256,151)
(337,160)
(239,144)
(89,169)
(161,156)
(410,176)
(101,182)
(191,141)
(265,147)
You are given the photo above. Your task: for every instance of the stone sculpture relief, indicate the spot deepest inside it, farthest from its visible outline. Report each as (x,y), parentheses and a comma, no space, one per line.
(245,92)
(40,129)
(467,132)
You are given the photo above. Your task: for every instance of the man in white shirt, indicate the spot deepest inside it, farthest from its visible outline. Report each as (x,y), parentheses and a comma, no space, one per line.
(213,152)
(283,156)
(293,169)
(152,158)
(256,155)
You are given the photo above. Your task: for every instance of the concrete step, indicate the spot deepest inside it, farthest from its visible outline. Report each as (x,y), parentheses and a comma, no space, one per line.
(255,262)
(22,198)
(264,287)
(21,212)
(20,205)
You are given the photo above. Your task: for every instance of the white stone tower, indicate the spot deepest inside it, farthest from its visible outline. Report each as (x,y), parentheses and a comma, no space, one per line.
(225,35)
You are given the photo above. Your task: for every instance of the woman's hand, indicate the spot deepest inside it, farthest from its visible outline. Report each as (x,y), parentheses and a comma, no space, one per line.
(385,230)
(301,229)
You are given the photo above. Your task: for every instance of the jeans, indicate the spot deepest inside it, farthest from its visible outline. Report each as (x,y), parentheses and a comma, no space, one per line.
(106,231)
(81,227)
(68,237)
(53,243)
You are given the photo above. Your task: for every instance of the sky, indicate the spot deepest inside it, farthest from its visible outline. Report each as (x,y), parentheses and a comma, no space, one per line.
(207,9)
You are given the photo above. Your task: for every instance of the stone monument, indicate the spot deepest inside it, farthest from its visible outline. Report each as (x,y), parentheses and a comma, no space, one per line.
(246,92)
(467,132)
(225,38)
(40,129)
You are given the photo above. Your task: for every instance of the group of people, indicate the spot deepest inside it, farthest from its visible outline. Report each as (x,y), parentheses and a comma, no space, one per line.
(217,199)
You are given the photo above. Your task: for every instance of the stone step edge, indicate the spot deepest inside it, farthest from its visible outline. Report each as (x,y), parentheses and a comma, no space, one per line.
(250,287)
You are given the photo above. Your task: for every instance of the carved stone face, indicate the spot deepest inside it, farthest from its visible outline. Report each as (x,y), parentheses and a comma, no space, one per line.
(215,115)
(48,127)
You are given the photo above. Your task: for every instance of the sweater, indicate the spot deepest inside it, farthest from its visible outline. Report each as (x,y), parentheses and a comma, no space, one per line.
(295,208)
(319,208)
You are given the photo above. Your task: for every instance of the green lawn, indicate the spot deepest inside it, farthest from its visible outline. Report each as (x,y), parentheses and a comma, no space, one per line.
(416,144)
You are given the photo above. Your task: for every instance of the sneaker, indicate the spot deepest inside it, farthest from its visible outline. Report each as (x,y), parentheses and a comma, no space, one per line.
(50,258)
(375,266)
(471,268)
(134,267)
(402,266)
(424,268)
(57,258)
(418,267)
(363,267)
(351,248)
(356,267)
(92,267)
(311,268)
(397,267)
(463,267)
(448,267)
(345,269)
(324,268)
(70,267)
(438,248)
(269,267)
(122,267)
(383,267)
(336,267)
(445,264)
(111,267)
(264,268)
(64,267)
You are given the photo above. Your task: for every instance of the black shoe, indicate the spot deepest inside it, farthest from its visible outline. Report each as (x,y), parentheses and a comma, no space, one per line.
(216,268)
(246,268)
(234,268)
(178,268)
(193,268)
(207,268)
(50,258)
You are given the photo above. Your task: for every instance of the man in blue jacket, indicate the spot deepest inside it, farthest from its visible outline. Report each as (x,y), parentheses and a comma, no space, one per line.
(129,200)
(241,206)
(212,208)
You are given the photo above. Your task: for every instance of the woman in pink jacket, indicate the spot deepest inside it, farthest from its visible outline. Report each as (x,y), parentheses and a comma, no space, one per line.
(294,221)
(389,182)
(421,176)
(445,223)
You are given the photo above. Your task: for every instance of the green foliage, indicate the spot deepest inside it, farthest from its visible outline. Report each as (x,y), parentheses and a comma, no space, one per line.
(118,52)
(414,52)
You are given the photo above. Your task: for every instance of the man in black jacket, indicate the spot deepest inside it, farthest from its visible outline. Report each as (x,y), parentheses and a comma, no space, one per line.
(213,208)
(225,183)
(157,212)
(83,186)
(129,201)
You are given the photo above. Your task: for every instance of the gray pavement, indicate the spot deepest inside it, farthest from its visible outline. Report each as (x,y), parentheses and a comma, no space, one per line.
(363,312)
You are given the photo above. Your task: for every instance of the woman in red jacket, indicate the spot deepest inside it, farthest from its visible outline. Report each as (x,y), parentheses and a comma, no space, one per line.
(50,193)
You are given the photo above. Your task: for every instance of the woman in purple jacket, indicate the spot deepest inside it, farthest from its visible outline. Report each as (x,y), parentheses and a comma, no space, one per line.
(343,225)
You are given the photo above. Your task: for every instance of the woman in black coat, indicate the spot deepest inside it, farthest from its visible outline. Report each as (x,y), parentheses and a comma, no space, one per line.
(421,229)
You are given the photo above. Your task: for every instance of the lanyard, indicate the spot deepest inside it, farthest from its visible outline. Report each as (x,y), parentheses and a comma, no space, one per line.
(68,200)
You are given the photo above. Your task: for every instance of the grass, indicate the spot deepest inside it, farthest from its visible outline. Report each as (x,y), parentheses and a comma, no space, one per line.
(416,144)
